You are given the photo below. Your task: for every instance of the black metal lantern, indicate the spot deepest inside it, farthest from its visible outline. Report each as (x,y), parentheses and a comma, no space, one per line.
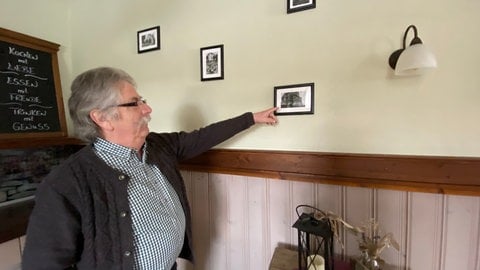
(315,236)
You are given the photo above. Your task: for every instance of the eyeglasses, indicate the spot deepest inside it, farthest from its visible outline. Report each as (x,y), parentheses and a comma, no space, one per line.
(136,103)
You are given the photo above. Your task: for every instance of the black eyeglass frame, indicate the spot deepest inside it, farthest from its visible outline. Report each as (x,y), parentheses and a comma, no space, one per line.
(136,103)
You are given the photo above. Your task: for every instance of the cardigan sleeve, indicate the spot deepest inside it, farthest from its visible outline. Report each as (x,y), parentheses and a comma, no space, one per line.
(185,145)
(53,232)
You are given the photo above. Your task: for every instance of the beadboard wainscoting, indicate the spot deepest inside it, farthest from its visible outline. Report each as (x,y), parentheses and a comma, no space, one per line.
(240,220)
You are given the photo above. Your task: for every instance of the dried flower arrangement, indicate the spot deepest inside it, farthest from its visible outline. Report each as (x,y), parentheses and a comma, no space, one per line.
(371,242)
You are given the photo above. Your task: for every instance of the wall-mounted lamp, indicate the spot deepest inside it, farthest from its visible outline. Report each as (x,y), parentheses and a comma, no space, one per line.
(414,60)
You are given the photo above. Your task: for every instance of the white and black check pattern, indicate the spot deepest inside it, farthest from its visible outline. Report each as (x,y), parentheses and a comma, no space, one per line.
(157,214)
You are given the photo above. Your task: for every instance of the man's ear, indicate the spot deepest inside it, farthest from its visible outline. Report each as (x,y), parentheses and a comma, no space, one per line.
(100,119)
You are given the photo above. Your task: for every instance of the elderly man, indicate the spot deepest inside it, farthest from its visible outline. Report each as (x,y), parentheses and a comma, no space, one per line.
(120,202)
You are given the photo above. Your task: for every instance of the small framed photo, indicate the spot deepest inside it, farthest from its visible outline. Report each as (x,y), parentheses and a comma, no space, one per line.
(211,63)
(148,39)
(299,5)
(294,99)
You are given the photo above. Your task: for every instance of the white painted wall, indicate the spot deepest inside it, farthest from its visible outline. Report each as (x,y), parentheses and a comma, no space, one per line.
(48,20)
(341,46)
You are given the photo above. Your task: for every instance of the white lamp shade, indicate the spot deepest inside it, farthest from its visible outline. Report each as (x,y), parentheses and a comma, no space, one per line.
(415,60)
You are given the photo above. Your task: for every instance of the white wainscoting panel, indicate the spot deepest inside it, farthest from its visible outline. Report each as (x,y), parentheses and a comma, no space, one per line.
(258,249)
(10,255)
(461,233)
(238,222)
(391,212)
(425,231)
(359,209)
(279,215)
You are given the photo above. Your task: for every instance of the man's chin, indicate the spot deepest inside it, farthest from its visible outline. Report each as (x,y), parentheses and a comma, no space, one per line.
(146,129)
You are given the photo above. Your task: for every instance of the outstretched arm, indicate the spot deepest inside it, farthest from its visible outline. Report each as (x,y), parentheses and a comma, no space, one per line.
(266,116)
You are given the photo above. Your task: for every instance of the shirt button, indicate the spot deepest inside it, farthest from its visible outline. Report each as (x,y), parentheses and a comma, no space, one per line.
(123,214)
(121,177)
(127,253)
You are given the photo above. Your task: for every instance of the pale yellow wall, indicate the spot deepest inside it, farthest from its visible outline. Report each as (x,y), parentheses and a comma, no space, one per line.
(46,19)
(341,46)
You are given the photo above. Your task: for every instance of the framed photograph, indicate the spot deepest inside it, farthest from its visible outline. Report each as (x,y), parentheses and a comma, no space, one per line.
(148,39)
(299,5)
(211,63)
(293,99)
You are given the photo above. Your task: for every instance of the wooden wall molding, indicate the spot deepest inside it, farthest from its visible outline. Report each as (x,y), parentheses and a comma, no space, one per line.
(433,174)
(444,175)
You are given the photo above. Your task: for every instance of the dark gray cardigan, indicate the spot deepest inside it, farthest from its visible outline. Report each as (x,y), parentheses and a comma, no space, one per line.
(81,215)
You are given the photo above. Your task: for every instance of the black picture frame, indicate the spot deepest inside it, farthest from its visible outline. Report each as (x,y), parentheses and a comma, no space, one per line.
(211,63)
(148,39)
(299,5)
(294,99)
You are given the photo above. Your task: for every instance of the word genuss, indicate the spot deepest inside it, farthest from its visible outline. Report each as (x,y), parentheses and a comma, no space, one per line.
(18,126)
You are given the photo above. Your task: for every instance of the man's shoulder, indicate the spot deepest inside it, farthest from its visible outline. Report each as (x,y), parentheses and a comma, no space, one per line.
(77,163)
(79,158)
(161,140)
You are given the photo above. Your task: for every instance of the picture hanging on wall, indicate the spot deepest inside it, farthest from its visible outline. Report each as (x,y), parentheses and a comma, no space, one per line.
(211,63)
(148,39)
(299,5)
(293,99)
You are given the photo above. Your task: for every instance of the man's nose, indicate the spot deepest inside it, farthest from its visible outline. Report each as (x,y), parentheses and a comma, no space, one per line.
(146,108)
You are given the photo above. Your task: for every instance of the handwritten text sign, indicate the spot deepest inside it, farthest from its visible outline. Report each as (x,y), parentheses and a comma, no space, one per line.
(28,100)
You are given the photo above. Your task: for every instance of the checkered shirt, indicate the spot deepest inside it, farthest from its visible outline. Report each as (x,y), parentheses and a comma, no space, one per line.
(156,211)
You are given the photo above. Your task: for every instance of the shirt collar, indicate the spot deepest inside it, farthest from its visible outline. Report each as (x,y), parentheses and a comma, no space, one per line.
(117,150)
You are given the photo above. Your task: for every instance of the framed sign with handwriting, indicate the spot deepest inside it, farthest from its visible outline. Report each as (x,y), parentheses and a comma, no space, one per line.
(31,102)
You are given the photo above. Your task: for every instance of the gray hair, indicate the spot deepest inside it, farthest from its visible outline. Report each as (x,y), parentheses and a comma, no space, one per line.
(96,88)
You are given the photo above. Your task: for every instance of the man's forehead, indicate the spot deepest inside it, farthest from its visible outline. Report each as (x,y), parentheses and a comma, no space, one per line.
(128,91)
